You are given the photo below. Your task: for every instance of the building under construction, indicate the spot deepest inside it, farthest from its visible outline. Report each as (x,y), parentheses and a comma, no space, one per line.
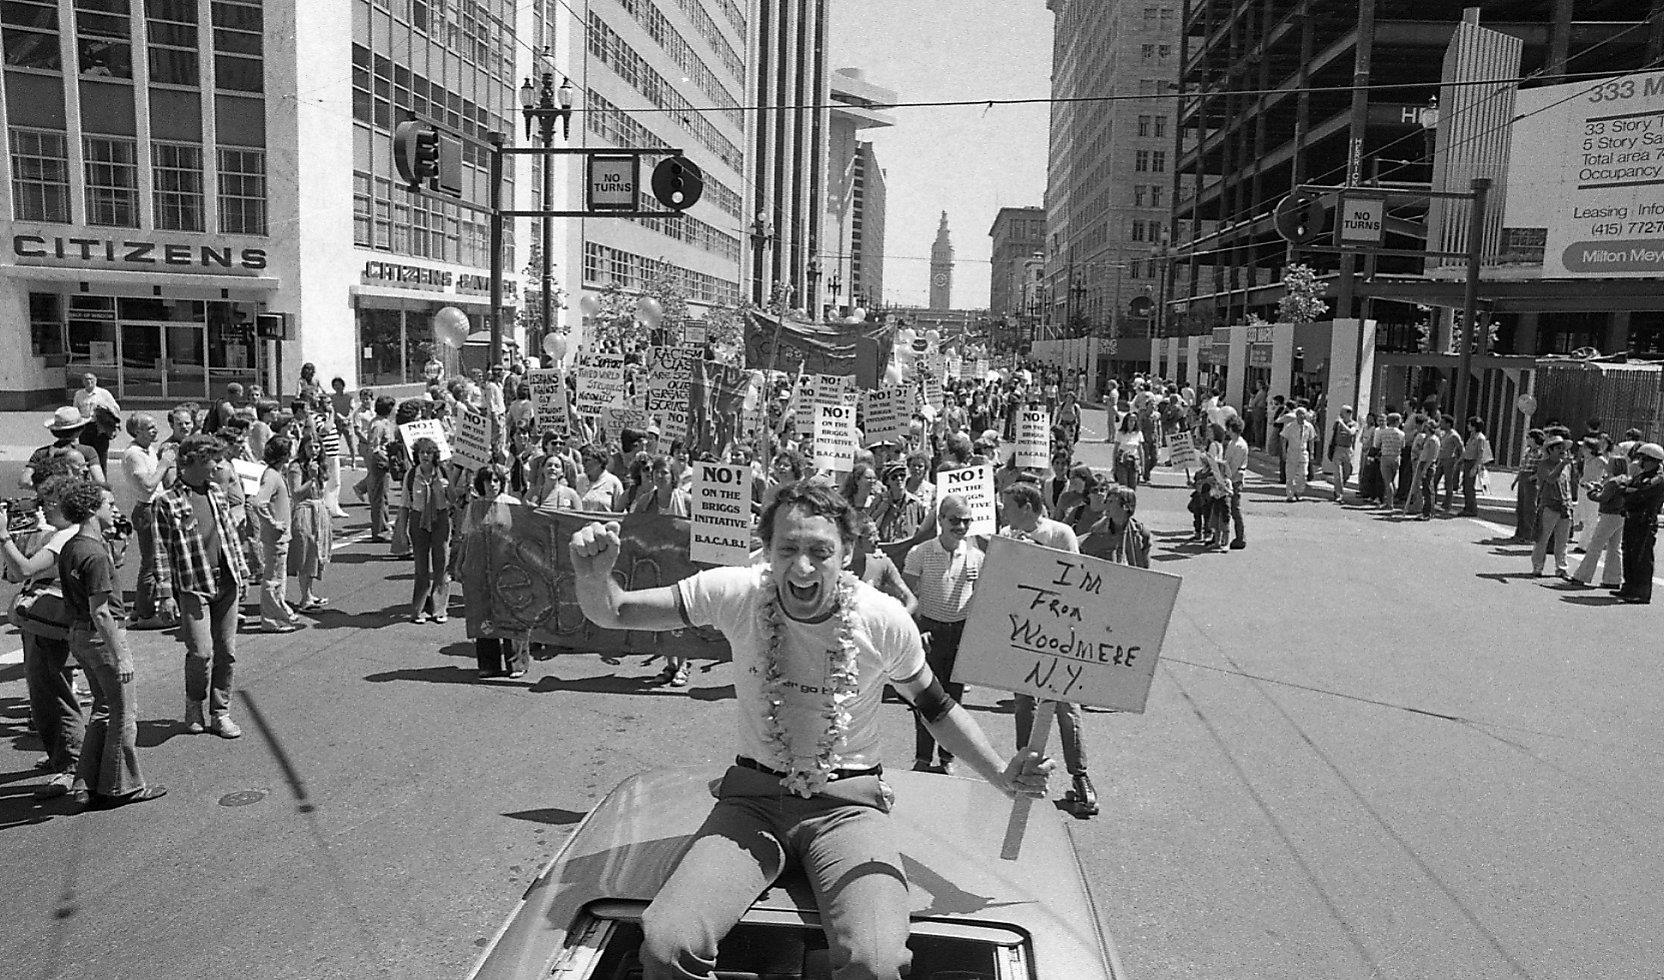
(1279,93)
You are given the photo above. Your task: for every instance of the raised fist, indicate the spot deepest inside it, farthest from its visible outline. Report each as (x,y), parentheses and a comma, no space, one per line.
(595,549)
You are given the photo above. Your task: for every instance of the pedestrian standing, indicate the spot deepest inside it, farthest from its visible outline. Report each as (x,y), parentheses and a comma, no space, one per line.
(1449,470)
(1427,472)
(1298,434)
(1608,531)
(200,576)
(312,522)
(942,573)
(1343,434)
(1590,468)
(1554,504)
(148,470)
(1525,488)
(273,513)
(381,464)
(1389,444)
(494,656)
(427,498)
(1235,461)
(1476,455)
(109,763)
(1643,497)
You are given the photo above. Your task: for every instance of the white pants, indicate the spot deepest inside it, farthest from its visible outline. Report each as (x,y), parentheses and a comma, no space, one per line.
(1587,512)
(1605,533)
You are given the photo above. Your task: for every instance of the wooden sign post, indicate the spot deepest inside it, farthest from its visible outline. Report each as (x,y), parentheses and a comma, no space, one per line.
(1058,626)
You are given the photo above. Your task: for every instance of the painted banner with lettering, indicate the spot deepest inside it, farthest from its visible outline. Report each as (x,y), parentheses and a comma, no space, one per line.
(1065,627)
(600,383)
(518,582)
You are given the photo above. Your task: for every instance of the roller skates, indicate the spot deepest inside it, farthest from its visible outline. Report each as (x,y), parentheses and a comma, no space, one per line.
(1082,798)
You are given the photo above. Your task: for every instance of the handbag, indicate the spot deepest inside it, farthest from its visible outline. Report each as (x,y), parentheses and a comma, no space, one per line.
(108,422)
(40,610)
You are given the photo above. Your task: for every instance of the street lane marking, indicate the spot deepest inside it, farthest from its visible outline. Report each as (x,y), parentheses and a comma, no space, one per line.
(1509,531)
(7,659)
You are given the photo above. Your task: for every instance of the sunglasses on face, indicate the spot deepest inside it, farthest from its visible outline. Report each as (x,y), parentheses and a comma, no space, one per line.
(958,521)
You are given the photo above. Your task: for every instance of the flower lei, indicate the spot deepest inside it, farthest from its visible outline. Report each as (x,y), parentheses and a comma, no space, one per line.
(807,775)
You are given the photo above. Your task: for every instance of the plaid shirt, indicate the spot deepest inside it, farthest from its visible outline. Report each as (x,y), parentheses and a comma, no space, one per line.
(182,563)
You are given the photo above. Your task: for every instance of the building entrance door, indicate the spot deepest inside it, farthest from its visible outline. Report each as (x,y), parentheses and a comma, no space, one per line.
(162,360)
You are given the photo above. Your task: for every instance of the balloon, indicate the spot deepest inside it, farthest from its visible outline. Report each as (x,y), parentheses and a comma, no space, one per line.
(450,326)
(933,335)
(756,378)
(590,305)
(554,344)
(892,374)
(649,311)
(858,314)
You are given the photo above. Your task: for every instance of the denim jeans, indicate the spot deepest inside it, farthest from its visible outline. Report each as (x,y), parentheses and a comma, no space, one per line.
(841,838)
(208,625)
(431,591)
(109,761)
(1236,512)
(144,527)
(1068,724)
(375,488)
(1389,479)
(52,700)
(274,578)
(1554,527)
(940,653)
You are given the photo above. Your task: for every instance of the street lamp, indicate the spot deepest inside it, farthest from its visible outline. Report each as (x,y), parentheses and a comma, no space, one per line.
(813,270)
(762,236)
(837,286)
(546,105)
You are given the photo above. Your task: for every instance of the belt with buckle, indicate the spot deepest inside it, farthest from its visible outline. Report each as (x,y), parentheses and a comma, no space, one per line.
(834,776)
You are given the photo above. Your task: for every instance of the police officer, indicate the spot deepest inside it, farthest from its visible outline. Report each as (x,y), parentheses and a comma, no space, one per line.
(1643,497)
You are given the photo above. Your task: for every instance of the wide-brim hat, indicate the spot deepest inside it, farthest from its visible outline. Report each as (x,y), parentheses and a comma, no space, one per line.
(66,419)
(1651,450)
(1553,441)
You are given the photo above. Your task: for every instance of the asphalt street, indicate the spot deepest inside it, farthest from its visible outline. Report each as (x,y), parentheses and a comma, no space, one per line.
(1374,748)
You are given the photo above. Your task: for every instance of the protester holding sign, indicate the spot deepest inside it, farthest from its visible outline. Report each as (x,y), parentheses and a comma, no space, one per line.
(804,726)
(1024,510)
(941,573)
(427,501)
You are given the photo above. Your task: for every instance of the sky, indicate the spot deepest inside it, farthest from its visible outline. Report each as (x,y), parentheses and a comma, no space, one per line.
(967,161)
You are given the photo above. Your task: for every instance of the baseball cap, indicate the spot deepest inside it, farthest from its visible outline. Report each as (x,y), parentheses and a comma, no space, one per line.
(1651,450)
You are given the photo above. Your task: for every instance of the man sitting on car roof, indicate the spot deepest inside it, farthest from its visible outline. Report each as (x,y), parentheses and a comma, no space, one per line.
(813,648)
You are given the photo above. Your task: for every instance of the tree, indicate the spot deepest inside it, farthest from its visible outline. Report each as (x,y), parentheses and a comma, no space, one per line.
(1301,302)
(530,318)
(618,328)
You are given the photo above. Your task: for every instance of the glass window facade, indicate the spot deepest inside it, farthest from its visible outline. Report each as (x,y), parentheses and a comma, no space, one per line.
(112,181)
(171,27)
(242,191)
(40,175)
(103,38)
(239,59)
(31,34)
(176,170)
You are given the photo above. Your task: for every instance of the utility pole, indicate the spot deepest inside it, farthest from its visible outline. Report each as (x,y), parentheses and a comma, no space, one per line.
(1469,337)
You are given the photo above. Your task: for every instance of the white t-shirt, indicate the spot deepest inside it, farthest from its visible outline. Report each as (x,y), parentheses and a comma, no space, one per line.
(886,640)
(139,462)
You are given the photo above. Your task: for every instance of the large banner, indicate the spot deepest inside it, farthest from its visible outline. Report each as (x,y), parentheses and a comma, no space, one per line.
(518,582)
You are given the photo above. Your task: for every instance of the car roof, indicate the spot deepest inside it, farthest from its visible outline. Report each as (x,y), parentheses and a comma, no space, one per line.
(948,830)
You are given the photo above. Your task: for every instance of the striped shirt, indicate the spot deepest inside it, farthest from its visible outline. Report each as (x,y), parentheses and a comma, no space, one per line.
(329,437)
(946,578)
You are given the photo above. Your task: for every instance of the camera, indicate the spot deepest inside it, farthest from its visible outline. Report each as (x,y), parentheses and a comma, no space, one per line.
(120,529)
(21,514)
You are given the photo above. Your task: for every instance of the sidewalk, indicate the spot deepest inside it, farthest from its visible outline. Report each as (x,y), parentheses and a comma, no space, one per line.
(1496,505)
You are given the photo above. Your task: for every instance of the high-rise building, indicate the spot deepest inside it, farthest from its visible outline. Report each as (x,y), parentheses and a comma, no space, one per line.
(1109,168)
(651,73)
(851,251)
(786,167)
(1017,233)
(1239,152)
(176,167)
(941,268)
(866,230)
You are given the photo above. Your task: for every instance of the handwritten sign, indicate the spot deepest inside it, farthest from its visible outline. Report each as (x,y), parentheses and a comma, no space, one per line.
(720,521)
(600,383)
(616,418)
(426,429)
(1181,452)
(248,474)
(931,385)
(815,390)
(1064,627)
(473,440)
(976,485)
(980,371)
(887,412)
(1034,437)
(669,378)
(835,438)
(548,388)
(955,365)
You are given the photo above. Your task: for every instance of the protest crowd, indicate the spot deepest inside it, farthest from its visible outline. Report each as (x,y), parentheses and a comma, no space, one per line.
(245,493)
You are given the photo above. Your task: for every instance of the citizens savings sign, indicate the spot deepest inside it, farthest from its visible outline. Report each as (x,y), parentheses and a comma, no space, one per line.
(1585,192)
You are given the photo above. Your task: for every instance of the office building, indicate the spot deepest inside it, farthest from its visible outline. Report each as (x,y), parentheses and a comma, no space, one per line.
(1017,233)
(1239,154)
(786,168)
(650,73)
(852,249)
(1109,167)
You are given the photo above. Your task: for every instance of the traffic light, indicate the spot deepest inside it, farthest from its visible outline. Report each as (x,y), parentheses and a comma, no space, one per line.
(678,183)
(1301,218)
(424,155)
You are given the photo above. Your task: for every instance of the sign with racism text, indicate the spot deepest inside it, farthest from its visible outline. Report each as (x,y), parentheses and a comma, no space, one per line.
(600,383)
(887,413)
(835,438)
(1034,437)
(473,440)
(720,521)
(1064,627)
(548,388)
(976,485)
(669,378)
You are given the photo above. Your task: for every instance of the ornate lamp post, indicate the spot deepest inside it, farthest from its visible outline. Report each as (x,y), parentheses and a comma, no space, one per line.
(546,105)
(812,307)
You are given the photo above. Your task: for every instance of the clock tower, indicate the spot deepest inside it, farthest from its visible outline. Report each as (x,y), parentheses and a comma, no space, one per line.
(941,268)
